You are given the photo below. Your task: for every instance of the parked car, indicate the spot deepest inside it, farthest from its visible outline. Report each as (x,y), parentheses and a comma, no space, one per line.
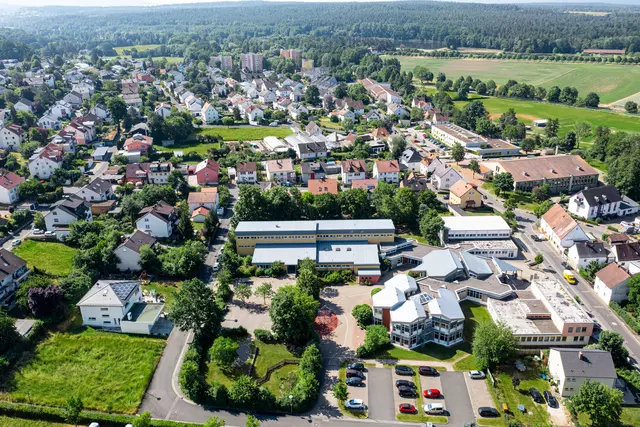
(551,401)
(356,366)
(405,383)
(407,391)
(38,231)
(216,267)
(433,408)
(486,411)
(16,242)
(354,373)
(535,394)
(432,393)
(428,371)
(476,375)
(49,234)
(403,370)
(355,404)
(407,408)
(355,382)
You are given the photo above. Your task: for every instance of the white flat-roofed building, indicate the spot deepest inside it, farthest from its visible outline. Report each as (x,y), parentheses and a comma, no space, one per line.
(451,134)
(501,248)
(475,227)
(546,316)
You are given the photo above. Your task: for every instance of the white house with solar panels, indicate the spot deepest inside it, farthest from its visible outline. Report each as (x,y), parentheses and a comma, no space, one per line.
(118,305)
(414,318)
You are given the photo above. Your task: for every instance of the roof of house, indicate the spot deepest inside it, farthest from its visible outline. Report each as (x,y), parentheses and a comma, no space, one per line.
(627,251)
(9,180)
(312,147)
(161,209)
(15,129)
(387,166)
(201,198)
(600,195)
(353,166)
(559,220)
(140,139)
(586,363)
(368,184)
(461,187)
(9,263)
(137,240)
(246,167)
(612,275)
(549,167)
(323,186)
(208,164)
(98,186)
(615,238)
(380,133)
(280,165)
(110,293)
(410,156)
(200,211)
(591,250)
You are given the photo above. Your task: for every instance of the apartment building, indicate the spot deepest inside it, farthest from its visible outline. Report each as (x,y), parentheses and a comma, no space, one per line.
(293,54)
(251,62)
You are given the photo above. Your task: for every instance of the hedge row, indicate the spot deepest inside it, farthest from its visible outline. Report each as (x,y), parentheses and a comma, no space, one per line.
(46,413)
(633,323)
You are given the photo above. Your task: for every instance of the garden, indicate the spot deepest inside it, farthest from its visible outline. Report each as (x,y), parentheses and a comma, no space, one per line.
(52,258)
(110,372)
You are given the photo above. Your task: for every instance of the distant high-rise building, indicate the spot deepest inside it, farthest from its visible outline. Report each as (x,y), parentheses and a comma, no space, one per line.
(251,61)
(226,63)
(293,54)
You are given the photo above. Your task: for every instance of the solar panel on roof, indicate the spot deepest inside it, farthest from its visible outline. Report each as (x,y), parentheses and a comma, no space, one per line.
(123,289)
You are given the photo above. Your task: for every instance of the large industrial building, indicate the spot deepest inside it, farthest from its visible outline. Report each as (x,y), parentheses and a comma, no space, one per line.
(334,245)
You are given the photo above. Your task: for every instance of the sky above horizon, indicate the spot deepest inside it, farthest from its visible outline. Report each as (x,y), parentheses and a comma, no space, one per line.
(107,3)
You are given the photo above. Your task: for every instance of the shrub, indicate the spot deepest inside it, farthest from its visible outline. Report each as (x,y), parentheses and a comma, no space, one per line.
(236,333)
(218,394)
(264,335)
(363,314)
(191,382)
(311,360)
(375,291)
(338,277)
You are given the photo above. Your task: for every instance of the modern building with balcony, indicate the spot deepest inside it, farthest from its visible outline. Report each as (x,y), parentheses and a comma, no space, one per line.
(13,270)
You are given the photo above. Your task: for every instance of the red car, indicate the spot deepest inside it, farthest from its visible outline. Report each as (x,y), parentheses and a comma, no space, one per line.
(407,408)
(432,393)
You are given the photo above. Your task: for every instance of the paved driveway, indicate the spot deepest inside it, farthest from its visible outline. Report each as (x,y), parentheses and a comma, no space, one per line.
(454,389)
(381,391)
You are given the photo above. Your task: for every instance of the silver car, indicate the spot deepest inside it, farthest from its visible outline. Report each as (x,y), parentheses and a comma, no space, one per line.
(476,375)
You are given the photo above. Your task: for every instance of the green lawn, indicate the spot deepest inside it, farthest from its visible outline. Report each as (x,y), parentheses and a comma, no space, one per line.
(525,201)
(140,48)
(109,371)
(528,111)
(631,416)
(54,258)
(466,364)
(185,147)
(269,355)
(506,394)
(611,82)
(21,422)
(243,133)
(166,289)
(282,380)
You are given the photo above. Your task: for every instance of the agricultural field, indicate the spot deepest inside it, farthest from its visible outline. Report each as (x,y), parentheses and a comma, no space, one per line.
(611,82)
(528,111)
(109,371)
(53,258)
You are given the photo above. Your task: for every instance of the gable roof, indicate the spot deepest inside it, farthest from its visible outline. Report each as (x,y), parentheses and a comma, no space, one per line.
(353,166)
(586,363)
(323,186)
(98,186)
(554,167)
(627,251)
(137,240)
(110,293)
(591,250)
(612,275)
(461,187)
(559,220)
(200,197)
(9,180)
(280,165)
(162,210)
(9,263)
(387,166)
(601,195)
(246,167)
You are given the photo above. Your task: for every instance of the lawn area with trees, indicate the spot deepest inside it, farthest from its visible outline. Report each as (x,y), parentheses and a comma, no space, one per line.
(110,372)
(242,133)
(52,258)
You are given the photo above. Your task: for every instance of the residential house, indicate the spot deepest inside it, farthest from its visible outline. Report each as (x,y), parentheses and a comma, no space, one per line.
(311,150)
(138,143)
(387,170)
(254,114)
(118,305)
(104,154)
(371,115)
(49,121)
(207,172)
(368,184)
(74,99)
(444,177)
(45,160)
(267,97)
(415,182)
(398,110)
(296,110)
(199,215)
(163,110)
(178,77)
(343,114)
(206,199)
(572,367)
(323,186)
(128,252)
(611,284)
(148,173)
(595,202)
(465,195)
(209,114)
(23,104)
(411,159)
(101,111)
(159,220)
(618,238)
(9,183)
(313,129)
(13,270)
(12,137)
(247,173)
(318,170)
(353,170)
(626,253)
(380,134)
(281,171)
(97,190)
(582,254)
(67,211)
(82,128)
(428,168)
(562,230)
(356,106)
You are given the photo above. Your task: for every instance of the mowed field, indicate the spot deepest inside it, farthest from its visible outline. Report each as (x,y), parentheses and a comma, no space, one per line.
(528,111)
(140,48)
(53,258)
(611,82)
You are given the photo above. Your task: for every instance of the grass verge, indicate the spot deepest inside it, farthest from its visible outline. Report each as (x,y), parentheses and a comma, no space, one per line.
(53,258)
(21,422)
(466,364)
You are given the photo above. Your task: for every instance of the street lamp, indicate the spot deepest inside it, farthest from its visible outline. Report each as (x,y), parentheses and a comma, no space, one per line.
(291,402)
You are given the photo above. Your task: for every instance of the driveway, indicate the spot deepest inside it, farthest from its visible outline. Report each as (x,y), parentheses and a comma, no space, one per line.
(479,393)
(454,389)
(381,391)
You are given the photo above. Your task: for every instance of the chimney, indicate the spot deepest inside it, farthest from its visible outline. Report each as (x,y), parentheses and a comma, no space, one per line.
(580,355)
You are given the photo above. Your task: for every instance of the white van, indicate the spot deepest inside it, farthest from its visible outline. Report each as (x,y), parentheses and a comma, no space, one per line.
(433,408)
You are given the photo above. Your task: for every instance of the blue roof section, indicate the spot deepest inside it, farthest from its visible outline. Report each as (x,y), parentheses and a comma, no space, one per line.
(504,267)
(286,253)
(476,265)
(356,253)
(325,226)
(440,263)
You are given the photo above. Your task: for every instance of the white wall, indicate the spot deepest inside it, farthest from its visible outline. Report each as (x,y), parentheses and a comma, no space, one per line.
(97,316)
(129,260)
(58,217)
(154,226)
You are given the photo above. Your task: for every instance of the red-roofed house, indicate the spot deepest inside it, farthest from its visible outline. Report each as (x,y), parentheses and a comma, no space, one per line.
(44,162)
(323,186)
(9,183)
(611,284)
(12,137)
(139,143)
(387,170)
(207,172)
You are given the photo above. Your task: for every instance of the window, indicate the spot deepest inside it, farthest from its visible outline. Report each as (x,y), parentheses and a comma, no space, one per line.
(107,322)
(570,330)
(104,309)
(105,315)
(92,318)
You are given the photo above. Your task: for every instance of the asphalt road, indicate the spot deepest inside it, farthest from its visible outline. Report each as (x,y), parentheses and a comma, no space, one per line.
(456,396)
(381,390)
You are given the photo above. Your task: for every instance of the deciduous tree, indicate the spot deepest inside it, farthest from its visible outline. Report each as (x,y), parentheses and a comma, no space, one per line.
(600,402)
(195,308)
(292,313)
(493,344)
(224,352)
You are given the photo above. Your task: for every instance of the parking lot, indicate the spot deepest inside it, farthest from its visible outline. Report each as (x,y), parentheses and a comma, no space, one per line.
(381,394)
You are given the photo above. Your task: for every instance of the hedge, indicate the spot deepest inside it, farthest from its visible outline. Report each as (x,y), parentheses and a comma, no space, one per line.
(629,320)
(46,413)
